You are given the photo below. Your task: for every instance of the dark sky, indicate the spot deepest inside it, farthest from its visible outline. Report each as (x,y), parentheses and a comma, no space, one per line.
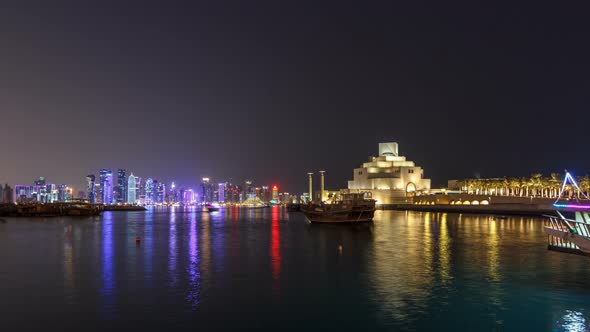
(271,90)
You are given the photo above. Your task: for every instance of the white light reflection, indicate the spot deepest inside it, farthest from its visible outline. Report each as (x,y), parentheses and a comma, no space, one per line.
(574,321)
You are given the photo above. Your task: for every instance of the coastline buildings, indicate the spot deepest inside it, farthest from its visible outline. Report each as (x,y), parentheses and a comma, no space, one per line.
(389,176)
(40,192)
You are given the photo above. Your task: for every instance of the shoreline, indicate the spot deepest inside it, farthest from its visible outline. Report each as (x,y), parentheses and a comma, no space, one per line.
(516,209)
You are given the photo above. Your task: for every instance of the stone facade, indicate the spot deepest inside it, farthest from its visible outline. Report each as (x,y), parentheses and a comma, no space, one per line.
(389,177)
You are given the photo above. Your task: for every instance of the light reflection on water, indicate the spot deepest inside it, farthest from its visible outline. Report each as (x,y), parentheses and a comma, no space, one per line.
(266,268)
(108,277)
(194,273)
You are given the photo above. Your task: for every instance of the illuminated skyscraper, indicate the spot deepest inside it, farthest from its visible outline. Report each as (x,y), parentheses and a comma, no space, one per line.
(121,192)
(62,193)
(139,191)
(106,186)
(172,195)
(221,192)
(149,191)
(265,194)
(40,181)
(161,193)
(275,194)
(97,193)
(131,189)
(206,191)
(90,193)
(7,194)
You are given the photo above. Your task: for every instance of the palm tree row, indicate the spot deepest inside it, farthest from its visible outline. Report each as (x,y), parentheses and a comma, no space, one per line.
(535,186)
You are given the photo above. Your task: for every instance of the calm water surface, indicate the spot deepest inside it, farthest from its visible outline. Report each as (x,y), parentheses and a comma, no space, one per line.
(268,269)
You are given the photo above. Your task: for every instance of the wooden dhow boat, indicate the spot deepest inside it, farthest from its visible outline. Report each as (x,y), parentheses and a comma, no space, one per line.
(351,208)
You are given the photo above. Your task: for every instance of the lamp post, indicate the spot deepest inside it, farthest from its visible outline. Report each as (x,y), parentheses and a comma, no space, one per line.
(310,187)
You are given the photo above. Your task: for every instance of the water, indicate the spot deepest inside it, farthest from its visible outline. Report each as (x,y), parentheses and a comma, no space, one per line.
(267,269)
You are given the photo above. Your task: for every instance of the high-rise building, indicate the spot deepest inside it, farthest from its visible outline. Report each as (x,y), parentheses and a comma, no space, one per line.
(40,181)
(172,195)
(221,192)
(7,193)
(90,193)
(206,191)
(97,193)
(161,193)
(62,193)
(23,193)
(106,186)
(149,191)
(275,194)
(265,194)
(139,191)
(131,189)
(121,192)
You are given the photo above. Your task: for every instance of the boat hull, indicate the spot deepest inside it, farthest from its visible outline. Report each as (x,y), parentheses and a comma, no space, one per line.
(343,217)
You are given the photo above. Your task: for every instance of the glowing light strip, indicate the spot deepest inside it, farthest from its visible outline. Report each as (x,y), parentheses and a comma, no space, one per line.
(574,206)
(572,181)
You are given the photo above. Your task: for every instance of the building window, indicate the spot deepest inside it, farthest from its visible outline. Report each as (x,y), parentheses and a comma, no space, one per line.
(410,171)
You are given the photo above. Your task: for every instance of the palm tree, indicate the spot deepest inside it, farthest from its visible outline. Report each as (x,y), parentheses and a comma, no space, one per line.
(585,184)
(514,186)
(535,183)
(505,184)
(555,183)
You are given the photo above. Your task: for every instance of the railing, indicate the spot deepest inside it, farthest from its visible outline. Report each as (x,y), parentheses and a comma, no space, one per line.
(561,223)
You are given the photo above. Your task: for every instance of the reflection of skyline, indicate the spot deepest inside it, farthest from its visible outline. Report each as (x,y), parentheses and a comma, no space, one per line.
(108,282)
(275,248)
(69,257)
(147,244)
(172,247)
(193,264)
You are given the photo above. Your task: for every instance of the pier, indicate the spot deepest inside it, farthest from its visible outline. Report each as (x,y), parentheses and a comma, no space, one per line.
(50,209)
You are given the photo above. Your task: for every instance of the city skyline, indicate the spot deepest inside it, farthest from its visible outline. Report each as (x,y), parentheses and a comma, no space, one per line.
(234,91)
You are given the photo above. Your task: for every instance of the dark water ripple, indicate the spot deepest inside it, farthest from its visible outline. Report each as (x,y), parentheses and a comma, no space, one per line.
(267,269)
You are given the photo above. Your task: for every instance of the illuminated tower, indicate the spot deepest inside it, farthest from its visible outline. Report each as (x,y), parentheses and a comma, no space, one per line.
(121,192)
(149,191)
(221,192)
(90,193)
(275,194)
(206,191)
(106,186)
(161,195)
(131,189)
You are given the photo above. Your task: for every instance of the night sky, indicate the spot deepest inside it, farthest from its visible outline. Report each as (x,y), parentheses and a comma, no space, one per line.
(272,90)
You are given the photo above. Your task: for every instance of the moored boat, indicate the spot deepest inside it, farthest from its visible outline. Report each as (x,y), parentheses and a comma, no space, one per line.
(569,235)
(351,208)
